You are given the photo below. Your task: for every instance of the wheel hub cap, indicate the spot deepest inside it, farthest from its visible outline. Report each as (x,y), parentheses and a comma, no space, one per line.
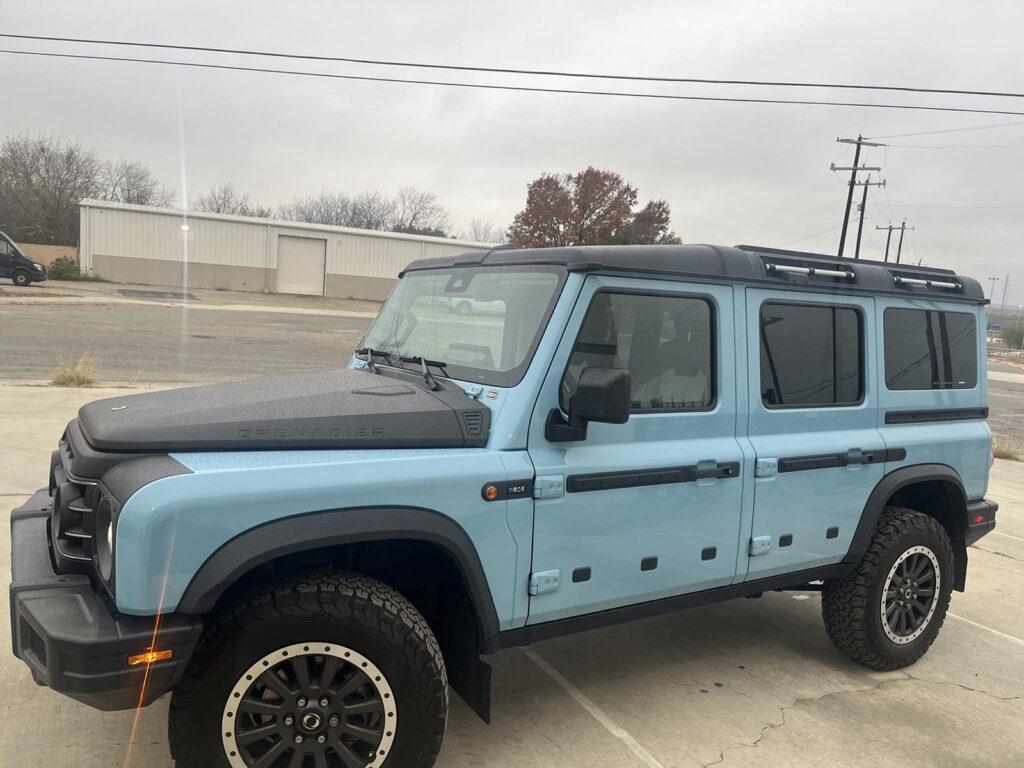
(310,703)
(311,721)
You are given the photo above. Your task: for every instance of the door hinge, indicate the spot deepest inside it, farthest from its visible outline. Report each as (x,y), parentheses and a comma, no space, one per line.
(544,581)
(766,468)
(548,487)
(760,545)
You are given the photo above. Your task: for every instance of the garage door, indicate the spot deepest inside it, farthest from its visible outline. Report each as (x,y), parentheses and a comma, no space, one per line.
(300,265)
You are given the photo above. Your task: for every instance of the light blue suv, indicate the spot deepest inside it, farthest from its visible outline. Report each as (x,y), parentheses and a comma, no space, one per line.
(309,561)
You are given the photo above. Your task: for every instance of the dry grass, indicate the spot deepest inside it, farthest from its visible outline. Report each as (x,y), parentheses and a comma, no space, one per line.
(1005,448)
(79,372)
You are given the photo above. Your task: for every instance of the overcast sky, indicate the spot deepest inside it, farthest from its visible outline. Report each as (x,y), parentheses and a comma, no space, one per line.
(733,173)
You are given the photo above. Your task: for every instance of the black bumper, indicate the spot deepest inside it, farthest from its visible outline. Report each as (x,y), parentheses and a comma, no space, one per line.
(981,518)
(69,636)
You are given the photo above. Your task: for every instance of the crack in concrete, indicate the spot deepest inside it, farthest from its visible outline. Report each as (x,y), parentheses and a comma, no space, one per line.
(765,729)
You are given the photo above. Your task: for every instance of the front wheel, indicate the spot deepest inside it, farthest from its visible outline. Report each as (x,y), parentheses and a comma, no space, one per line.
(327,670)
(888,611)
(22,278)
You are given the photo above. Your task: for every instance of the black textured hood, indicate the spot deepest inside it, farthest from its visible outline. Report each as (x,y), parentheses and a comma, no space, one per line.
(328,409)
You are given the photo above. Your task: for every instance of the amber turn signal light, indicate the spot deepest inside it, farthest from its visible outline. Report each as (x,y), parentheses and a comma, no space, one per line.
(491,492)
(149,657)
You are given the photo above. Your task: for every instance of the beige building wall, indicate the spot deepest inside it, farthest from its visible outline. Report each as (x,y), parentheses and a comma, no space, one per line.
(45,254)
(154,246)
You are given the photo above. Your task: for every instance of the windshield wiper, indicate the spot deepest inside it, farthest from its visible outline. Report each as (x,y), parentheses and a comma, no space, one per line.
(370,364)
(425,365)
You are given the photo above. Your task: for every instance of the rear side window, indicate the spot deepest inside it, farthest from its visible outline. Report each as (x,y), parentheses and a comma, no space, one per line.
(811,355)
(665,342)
(928,349)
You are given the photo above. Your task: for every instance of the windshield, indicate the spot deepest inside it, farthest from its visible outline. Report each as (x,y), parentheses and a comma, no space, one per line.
(482,323)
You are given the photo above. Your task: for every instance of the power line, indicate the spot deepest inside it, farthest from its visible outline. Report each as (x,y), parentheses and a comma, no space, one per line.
(957,146)
(511,70)
(947,130)
(816,234)
(496,87)
(958,207)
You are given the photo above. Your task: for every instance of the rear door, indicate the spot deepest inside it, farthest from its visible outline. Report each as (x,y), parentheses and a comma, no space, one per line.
(650,508)
(812,423)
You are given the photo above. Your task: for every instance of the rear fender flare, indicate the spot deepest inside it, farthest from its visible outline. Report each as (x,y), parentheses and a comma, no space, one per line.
(884,490)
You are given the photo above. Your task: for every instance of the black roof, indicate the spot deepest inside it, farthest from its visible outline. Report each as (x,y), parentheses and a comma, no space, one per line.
(746,263)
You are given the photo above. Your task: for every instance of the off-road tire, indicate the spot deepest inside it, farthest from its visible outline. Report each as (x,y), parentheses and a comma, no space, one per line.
(22,278)
(324,606)
(851,605)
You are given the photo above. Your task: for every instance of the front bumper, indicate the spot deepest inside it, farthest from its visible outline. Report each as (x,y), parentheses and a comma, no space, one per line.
(981,518)
(70,637)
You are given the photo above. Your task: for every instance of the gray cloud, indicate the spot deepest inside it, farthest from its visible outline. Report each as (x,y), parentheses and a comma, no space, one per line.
(732,173)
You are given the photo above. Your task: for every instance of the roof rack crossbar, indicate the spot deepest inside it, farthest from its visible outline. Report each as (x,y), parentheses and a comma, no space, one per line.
(927,283)
(844,274)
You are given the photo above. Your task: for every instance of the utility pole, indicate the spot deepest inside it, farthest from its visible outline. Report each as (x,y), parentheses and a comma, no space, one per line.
(863,205)
(899,249)
(1006,284)
(859,142)
(992,288)
(888,237)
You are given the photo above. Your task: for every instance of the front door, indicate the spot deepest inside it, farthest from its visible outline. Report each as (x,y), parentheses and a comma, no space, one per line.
(812,423)
(650,508)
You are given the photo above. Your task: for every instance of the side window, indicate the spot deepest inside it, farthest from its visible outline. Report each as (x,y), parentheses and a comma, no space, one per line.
(928,349)
(5,248)
(665,342)
(811,355)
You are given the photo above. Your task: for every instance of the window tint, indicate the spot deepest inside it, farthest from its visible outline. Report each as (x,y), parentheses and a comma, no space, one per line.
(811,355)
(665,342)
(927,349)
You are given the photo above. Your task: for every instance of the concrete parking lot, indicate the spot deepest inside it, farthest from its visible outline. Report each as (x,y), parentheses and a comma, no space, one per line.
(745,683)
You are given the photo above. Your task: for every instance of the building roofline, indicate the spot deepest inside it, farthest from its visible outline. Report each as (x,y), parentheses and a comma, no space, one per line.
(283,223)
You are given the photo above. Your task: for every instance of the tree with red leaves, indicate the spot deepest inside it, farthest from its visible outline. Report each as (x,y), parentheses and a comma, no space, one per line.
(591,207)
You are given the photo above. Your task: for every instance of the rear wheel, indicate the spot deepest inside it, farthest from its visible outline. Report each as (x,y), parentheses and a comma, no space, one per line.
(22,278)
(888,612)
(327,671)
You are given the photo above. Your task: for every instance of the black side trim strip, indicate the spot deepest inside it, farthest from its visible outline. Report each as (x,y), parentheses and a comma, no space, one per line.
(831,460)
(550,629)
(941,414)
(605,481)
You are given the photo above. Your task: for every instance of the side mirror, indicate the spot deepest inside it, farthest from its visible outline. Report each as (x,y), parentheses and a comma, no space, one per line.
(602,395)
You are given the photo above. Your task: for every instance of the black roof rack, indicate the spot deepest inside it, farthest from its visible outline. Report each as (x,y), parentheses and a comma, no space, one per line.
(742,263)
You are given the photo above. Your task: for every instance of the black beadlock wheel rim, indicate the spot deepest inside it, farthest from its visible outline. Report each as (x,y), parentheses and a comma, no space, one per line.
(910,595)
(310,705)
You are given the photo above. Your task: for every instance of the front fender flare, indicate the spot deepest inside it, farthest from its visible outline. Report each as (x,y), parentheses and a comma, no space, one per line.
(315,530)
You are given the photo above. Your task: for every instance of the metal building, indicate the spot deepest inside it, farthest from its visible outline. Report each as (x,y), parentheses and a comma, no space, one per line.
(160,246)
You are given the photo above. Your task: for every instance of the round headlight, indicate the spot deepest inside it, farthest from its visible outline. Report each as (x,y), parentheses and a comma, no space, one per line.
(104,539)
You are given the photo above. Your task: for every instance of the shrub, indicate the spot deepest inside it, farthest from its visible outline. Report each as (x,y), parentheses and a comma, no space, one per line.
(64,268)
(1005,448)
(1013,334)
(80,372)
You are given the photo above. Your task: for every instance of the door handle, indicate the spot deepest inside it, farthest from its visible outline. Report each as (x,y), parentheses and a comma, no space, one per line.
(722,470)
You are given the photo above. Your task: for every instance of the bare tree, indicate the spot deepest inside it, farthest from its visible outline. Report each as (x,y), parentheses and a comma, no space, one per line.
(372,210)
(224,198)
(129,181)
(327,208)
(42,180)
(483,231)
(419,213)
